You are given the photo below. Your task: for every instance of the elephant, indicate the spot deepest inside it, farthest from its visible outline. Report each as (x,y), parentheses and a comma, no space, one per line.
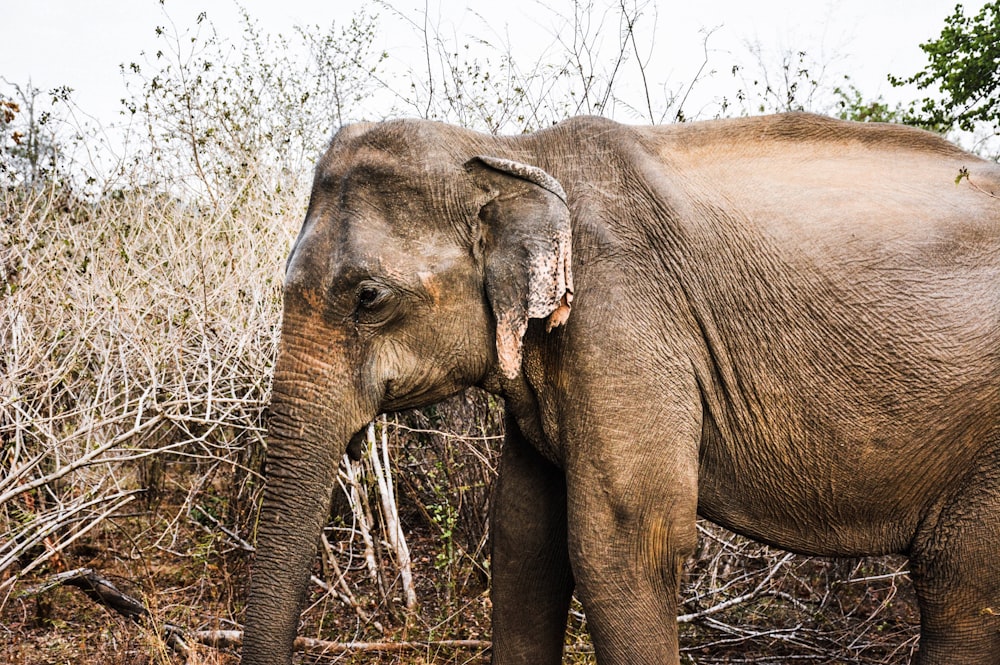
(788,325)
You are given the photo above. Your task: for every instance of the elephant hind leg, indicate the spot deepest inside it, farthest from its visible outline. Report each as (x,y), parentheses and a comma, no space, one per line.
(956,574)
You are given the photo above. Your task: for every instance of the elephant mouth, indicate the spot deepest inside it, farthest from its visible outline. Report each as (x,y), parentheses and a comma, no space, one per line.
(356,446)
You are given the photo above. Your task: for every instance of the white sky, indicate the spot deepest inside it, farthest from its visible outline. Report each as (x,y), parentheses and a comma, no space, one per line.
(81,44)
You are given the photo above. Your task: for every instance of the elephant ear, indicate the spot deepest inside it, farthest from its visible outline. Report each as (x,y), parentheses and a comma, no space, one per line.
(525,248)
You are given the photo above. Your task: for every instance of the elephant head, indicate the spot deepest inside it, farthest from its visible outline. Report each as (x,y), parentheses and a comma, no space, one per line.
(424,253)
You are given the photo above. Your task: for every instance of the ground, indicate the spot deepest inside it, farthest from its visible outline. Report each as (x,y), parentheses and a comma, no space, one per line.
(811,610)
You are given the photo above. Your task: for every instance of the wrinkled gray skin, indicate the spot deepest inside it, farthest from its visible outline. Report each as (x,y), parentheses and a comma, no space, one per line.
(788,325)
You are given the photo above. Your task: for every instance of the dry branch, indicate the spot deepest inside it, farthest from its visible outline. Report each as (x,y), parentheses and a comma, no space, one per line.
(342,591)
(99,589)
(758,591)
(378,456)
(234,638)
(363,518)
(104,592)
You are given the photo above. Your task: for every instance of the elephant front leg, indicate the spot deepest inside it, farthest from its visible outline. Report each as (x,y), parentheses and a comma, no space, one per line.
(532,583)
(630,533)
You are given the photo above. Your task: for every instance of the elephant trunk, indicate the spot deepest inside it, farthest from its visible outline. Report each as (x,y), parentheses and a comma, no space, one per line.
(310,425)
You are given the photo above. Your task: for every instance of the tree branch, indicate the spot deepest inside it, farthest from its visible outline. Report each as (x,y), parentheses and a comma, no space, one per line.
(104,592)
(234,638)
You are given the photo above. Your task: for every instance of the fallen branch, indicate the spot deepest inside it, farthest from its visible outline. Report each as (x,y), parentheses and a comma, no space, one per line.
(104,592)
(98,588)
(221,639)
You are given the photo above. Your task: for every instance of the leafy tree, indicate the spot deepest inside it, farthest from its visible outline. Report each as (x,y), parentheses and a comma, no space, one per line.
(852,105)
(964,64)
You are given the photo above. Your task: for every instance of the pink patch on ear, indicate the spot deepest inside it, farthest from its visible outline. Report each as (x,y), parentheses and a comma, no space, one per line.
(510,332)
(561,313)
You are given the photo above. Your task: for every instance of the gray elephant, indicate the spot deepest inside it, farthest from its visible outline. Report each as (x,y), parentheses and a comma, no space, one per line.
(788,325)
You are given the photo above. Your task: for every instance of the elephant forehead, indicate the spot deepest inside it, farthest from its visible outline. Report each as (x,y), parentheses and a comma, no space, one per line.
(422,264)
(399,141)
(412,194)
(373,232)
(384,174)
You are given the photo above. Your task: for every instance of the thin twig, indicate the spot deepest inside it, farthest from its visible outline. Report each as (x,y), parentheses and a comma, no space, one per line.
(234,638)
(756,593)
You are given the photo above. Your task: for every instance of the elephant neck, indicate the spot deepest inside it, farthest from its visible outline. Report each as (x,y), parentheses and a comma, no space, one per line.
(522,402)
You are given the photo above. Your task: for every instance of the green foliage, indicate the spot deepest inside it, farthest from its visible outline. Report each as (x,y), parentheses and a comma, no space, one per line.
(444,516)
(852,105)
(964,65)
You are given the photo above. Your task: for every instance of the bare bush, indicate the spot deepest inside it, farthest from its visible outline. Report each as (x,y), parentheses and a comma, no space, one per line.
(138,333)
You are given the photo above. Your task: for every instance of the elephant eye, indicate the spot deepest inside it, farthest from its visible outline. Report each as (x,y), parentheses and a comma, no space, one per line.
(368,297)
(371,297)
